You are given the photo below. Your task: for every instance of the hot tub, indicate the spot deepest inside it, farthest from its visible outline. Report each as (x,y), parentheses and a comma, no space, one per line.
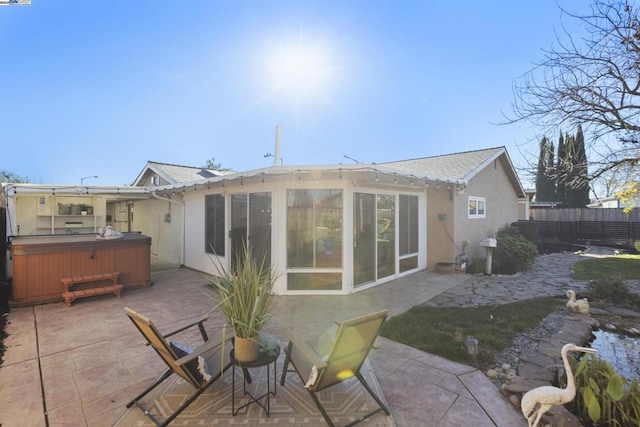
(40,262)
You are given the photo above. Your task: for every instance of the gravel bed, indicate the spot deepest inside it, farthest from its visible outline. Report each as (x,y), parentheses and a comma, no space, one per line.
(528,340)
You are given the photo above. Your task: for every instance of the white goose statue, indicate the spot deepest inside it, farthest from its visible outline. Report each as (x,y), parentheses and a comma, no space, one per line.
(539,400)
(579,306)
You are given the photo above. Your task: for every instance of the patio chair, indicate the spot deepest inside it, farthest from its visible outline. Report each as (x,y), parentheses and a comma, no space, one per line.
(334,357)
(199,367)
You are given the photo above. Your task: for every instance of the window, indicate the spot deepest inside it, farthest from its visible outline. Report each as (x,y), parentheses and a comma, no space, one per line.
(477,206)
(214,224)
(314,228)
(314,239)
(408,224)
(408,232)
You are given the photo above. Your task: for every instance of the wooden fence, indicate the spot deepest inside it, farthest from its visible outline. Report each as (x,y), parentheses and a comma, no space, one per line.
(585,214)
(600,226)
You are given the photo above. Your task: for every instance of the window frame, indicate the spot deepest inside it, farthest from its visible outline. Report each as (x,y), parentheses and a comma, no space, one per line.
(408,225)
(217,236)
(476,209)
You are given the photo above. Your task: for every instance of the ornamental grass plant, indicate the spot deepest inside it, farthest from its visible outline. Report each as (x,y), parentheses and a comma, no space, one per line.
(246,293)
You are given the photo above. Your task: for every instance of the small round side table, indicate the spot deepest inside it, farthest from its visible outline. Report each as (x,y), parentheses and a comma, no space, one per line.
(267,356)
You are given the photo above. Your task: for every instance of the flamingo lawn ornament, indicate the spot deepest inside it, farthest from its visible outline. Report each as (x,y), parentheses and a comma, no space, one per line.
(579,306)
(539,400)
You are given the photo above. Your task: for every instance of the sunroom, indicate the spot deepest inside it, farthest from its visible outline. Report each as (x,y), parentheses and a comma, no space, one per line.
(325,229)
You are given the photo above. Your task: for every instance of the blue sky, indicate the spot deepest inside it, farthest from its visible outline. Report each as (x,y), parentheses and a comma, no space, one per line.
(100,87)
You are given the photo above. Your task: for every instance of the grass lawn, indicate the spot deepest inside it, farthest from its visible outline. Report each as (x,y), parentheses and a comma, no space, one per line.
(625,266)
(442,331)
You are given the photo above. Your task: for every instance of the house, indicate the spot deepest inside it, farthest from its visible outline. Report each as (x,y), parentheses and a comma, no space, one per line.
(613,202)
(330,229)
(155,174)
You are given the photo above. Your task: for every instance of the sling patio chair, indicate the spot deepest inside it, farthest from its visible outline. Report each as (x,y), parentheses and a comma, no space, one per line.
(199,367)
(334,357)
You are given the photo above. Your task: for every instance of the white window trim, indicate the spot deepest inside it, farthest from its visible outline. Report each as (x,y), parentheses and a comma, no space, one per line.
(477,200)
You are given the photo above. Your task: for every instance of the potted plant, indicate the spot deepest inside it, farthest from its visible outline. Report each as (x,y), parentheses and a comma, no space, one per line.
(245,299)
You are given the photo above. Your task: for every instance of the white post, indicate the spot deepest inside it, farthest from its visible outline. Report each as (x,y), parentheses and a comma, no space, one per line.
(489,244)
(276,161)
(488,266)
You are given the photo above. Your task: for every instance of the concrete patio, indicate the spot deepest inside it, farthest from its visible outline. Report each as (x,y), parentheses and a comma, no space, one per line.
(80,365)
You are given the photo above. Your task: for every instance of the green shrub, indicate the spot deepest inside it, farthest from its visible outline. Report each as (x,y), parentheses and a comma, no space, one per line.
(603,396)
(509,231)
(529,229)
(514,253)
(476,265)
(610,289)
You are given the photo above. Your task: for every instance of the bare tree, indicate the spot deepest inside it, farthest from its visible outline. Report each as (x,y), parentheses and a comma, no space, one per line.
(212,164)
(6,176)
(593,80)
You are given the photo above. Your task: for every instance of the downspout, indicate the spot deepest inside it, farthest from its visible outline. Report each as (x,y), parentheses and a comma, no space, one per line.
(182,247)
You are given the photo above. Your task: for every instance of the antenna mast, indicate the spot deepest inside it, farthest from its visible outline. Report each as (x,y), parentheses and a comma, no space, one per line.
(276,160)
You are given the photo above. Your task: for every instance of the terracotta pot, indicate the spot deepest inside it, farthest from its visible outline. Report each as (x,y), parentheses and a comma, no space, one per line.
(246,349)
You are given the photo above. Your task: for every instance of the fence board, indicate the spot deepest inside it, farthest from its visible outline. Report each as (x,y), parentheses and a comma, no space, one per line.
(585,214)
(614,233)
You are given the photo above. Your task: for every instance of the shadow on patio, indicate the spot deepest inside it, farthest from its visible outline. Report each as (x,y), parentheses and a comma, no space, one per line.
(89,360)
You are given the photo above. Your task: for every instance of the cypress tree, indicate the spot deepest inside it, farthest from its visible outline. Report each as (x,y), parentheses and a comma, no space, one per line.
(551,172)
(581,185)
(569,171)
(542,187)
(559,171)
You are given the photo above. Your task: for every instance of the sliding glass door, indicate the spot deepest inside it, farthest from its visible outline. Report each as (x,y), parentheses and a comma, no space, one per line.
(251,226)
(373,237)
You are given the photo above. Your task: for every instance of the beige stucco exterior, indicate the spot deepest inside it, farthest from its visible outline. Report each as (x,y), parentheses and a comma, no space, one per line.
(502,208)
(162,220)
(450,230)
(440,228)
(194,201)
(174,214)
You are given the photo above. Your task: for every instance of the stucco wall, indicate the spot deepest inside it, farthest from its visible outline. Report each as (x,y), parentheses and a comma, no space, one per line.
(198,259)
(440,226)
(502,208)
(149,217)
(195,255)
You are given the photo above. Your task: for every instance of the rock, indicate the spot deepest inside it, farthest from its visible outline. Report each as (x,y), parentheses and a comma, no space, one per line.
(559,416)
(610,326)
(492,373)
(514,400)
(520,385)
(552,346)
(539,359)
(623,312)
(599,311)
(506,367)
(529,371)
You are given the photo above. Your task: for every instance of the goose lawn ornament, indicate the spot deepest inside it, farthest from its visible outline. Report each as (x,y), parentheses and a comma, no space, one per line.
(579,306)
(539,400)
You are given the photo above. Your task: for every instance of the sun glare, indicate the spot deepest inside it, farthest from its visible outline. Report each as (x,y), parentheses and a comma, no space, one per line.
(300,70)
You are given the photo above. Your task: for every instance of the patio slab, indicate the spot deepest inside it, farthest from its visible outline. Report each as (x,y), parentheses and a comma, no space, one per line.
(91,360)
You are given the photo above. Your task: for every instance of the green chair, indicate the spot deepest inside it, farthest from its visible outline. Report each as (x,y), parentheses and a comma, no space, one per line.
(334,357)
(200,367)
